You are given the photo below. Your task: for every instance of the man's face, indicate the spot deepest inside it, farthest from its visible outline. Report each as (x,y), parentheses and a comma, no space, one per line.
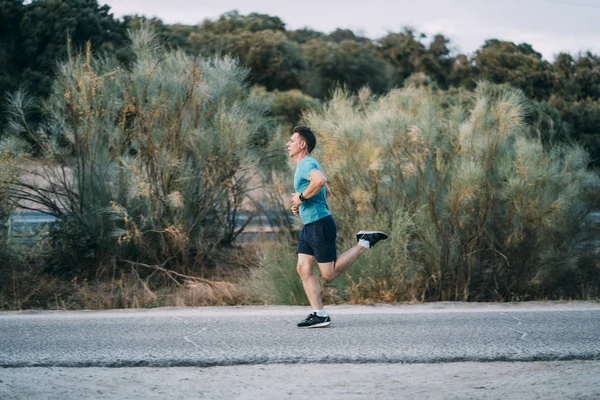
(294,145)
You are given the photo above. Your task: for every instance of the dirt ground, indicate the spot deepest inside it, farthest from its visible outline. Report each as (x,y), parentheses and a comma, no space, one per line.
(469,380)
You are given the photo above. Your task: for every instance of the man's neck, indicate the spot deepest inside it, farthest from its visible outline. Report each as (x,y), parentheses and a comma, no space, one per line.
(298,157)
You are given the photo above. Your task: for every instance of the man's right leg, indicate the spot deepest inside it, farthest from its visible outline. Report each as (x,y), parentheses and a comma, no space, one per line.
(312,287)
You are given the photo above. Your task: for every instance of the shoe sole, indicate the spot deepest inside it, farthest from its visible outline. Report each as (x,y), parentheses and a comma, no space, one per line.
(321,325)
(370,232)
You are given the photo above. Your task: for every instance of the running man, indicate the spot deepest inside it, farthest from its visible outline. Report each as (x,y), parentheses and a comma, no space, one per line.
(317,238)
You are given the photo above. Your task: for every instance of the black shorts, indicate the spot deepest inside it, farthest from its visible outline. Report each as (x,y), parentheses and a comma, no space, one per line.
(318,239)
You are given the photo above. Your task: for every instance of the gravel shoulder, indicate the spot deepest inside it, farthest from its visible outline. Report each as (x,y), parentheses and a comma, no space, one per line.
(498,380)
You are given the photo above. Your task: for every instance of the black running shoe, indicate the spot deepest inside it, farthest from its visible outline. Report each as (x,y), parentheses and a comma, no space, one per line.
(371,236)
(314,321)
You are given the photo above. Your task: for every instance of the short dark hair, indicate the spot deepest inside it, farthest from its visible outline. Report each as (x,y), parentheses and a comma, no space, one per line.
(307,135)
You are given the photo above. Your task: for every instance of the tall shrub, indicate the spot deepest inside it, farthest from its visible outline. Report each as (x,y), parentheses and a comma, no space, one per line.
(476,208)
(149,163)
(12,152)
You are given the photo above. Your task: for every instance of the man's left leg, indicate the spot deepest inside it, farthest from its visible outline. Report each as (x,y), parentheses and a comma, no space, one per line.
(366,240)
(333,269)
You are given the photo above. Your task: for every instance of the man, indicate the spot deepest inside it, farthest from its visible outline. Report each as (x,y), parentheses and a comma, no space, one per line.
(317,238)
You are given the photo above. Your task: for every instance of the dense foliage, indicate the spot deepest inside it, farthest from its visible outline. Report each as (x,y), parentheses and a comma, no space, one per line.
(146,144)
(145,164)
(475,206)
(306,60)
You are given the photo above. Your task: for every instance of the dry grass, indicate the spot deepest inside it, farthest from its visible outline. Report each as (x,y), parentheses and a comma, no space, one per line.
(129,291)
(125,291)
(140,286)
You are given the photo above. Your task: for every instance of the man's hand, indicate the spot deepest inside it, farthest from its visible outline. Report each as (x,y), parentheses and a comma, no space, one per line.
(295,200)
(295,211)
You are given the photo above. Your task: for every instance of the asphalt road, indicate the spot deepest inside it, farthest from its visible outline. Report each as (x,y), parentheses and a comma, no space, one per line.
(212,336)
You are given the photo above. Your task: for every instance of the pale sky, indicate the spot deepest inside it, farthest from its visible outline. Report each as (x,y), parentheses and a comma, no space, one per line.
(550,26)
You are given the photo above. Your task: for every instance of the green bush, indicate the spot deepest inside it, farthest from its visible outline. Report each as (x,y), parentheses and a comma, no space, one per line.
(12,152)
(148,164)
(276,281)
(477,208)
(287,106)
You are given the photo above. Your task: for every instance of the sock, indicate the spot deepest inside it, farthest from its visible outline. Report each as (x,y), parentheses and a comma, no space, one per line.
(321,313)
(364,243)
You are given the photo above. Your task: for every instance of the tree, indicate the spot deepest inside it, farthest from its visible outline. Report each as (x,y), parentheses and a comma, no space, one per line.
(11,55)
(274,61)
(461,74)
(517,65)
(48,24)
(233,21)
(578,78)
(34,37)
(303,35)
(257,40)
(288,106)
(438,61)
(583,120)
(407,55)
(577,98)
(339,35)
(403,51)
(12,60)
(348,63)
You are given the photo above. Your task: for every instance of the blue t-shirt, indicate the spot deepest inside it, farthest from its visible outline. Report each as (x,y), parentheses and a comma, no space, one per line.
(316,207)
